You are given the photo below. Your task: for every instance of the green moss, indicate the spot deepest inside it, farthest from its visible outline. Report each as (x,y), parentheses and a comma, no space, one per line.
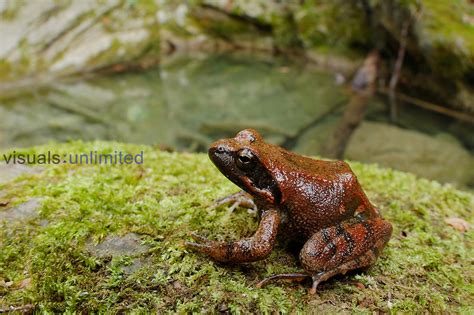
(320,24)
(426,265)
(285,30)
(445,27)
(11,10)
(220,25)
(5,70)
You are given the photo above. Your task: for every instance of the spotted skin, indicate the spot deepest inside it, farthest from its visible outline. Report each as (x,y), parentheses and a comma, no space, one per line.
(344,247)
(317,204)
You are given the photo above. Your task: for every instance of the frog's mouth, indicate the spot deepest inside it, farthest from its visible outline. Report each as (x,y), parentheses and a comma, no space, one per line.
(258,181)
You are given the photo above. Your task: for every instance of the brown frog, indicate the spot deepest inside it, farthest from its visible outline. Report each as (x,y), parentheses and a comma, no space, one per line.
(319,204)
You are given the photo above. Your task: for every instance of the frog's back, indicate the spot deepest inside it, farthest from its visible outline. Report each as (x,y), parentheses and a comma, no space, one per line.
(317,194)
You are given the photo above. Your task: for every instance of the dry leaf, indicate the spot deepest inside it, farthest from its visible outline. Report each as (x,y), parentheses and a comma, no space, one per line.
(359,285)
(25,283)
(457,223)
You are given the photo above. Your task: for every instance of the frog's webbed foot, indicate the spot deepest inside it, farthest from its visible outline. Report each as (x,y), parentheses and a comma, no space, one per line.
(239,199)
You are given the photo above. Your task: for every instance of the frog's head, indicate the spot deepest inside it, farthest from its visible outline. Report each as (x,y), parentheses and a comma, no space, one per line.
(240,160)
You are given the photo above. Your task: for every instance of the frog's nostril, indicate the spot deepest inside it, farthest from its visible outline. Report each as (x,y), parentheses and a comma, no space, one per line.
(220,149)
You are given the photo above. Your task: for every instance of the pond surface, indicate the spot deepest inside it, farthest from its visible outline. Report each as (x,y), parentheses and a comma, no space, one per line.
(188,102)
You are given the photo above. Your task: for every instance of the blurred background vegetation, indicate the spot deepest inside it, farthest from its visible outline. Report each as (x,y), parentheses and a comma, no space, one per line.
(180,74)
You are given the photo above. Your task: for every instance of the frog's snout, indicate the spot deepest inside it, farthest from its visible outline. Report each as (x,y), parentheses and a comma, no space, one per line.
(219,147)
(220,154)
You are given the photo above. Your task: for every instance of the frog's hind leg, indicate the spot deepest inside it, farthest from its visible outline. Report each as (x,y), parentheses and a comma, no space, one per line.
(338,249)
(284,276)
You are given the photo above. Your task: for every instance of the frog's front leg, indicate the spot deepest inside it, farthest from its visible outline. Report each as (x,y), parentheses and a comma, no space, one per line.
(249,249)
(238,199)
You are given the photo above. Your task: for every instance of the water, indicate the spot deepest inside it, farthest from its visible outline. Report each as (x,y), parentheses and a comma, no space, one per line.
(186,103)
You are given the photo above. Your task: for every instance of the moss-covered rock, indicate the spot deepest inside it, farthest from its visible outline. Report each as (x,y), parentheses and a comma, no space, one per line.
(48,262)
(440,54)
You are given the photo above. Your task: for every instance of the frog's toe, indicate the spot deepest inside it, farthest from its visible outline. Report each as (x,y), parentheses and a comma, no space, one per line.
(201,243)
(239,199)
(314,287)
(198,237)
(196,246)
(201,248)
(284,276)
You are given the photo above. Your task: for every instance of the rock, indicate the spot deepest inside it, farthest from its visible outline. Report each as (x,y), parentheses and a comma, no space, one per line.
(116,246)
(440,45)
(412,151)
(129,244)
(312,141)
(134,266)
(22,212)
(9,172)
(53,38)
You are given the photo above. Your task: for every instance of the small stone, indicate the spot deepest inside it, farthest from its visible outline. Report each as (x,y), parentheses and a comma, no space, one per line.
(177,285)
(134,266)
(223,308)
(9,172)
(367,302)
(129,244)
(6,284)
(22,212)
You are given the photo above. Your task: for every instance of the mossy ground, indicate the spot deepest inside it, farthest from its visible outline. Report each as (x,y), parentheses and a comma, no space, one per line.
(426,266)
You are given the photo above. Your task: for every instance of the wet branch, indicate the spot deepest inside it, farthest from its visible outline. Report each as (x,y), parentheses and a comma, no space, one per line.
(399,63)
(396,70)
(430,106)
(261,26)
(363,88)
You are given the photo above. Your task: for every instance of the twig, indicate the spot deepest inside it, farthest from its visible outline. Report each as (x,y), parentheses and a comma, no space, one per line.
(399,62)
(396,70)
(430,106)
(363,87)
(23,308)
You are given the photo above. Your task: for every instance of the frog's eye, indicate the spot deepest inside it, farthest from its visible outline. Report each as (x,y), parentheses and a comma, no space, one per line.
(245,158)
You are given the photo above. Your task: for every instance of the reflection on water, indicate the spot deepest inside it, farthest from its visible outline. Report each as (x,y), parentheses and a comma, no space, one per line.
(189,102)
